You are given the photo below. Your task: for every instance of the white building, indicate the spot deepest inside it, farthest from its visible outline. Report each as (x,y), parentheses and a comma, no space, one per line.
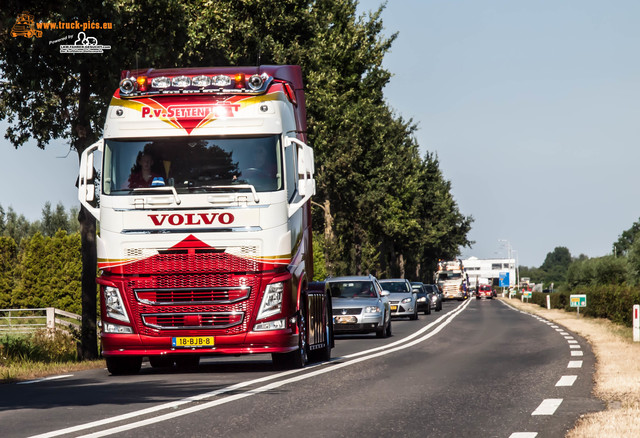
(489,271)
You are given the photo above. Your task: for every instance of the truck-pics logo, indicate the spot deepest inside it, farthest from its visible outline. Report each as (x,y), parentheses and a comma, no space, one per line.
(191,219)
(25,26)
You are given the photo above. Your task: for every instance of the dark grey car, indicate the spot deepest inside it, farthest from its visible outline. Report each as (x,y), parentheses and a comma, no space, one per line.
(436,296)
(359,306)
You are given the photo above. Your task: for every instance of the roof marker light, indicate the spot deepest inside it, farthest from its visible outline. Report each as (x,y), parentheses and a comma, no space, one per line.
(161,82)
(181,81)
(143,83)
(128,85)
(255,82)
(201,81)
(221,81)
(240,80)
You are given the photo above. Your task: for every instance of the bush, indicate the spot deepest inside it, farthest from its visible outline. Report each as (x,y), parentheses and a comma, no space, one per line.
(37,347)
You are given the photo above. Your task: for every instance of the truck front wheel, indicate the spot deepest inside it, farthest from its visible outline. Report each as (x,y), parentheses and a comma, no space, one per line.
(298,358)
(119,366)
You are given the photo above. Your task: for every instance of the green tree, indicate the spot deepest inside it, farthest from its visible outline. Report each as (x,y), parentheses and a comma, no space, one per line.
(8,261)
(626,239)
(49,271)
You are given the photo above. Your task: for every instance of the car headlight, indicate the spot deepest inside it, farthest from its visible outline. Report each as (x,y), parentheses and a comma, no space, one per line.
(407,300)
(421,299)
(271,300)
(113,304)
(434,298)
(372,309)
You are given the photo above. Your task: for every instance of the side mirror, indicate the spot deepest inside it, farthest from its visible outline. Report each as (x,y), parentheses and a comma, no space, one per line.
(384,293)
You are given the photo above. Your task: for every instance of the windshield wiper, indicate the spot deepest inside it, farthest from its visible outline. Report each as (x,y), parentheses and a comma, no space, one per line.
(171,189)
(234,187)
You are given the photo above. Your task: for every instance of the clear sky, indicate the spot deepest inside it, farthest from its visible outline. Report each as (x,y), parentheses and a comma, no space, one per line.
(531,106)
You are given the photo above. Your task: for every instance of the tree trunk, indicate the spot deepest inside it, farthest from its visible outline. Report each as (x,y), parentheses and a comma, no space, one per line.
(85,136)
(401,265)
(88,336)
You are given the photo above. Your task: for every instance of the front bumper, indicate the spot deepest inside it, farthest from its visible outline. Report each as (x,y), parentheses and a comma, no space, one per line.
(276,341)
(403,309)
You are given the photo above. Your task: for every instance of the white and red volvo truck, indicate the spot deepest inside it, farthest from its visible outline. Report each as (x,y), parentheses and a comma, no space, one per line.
(201,187)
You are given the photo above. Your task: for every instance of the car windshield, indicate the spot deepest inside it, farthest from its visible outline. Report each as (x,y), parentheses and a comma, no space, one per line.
(352,289)
(395,286)
(192,165)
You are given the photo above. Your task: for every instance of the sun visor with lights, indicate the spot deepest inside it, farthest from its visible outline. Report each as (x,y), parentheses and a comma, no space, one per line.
(200,84)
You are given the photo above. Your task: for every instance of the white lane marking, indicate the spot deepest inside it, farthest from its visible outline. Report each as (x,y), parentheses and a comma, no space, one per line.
(524,435)
(450,316)
(548,406)
(559,330)
(28,382)
(575,364)
(564,333)
(566,381)
(555,327)
(572,341)
(574,346)
(577,353)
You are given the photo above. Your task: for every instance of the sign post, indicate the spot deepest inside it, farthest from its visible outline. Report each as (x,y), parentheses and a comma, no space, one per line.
(636,323)
(548,302)
(577,301)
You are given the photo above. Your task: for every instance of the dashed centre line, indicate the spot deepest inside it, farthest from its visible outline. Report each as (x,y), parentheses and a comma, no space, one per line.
(524,435)
(566,381)
(548,406)
(577,353)
(575,364)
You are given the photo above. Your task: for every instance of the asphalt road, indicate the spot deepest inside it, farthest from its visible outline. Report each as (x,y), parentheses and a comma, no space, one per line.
(475,369)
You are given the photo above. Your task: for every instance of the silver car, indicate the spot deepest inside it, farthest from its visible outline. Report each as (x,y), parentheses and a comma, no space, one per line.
(402,299)
(359,306)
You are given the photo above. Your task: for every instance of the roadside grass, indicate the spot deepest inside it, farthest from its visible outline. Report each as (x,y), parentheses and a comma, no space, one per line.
(39,354)
(28,370)
(617,377)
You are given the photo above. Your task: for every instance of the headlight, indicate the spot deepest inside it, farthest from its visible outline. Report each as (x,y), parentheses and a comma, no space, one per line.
(407,300)
(372,309)
(434,298)
(271,325)
(271,300)
(114,305)
(421,299)
(116,328)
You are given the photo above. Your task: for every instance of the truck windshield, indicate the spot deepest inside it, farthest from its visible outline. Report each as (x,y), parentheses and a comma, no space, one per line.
(192,165)
(450,275)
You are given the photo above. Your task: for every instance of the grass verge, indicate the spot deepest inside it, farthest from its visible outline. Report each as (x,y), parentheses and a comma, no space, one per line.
(617,377)
(28,370)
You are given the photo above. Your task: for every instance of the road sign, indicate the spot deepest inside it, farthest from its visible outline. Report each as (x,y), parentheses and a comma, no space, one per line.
(578,300)
(504,279)
(526,294)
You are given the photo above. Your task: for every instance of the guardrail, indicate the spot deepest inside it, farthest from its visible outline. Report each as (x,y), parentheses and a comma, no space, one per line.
(30,320)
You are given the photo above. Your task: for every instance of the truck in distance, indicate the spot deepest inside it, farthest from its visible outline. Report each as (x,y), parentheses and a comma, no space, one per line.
(452,279)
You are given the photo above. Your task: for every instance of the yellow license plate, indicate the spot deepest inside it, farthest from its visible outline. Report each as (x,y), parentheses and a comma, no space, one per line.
(193,341)
(394,307)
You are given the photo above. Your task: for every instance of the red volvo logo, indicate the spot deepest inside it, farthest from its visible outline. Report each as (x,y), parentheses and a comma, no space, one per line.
(177,219)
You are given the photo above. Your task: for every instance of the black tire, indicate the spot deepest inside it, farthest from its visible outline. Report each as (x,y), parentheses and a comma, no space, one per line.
(187,362)
(160,361)
(124,365)
(415,314)
(380,331)
(439,306)
(428,311)
(299,358)
(388,332)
